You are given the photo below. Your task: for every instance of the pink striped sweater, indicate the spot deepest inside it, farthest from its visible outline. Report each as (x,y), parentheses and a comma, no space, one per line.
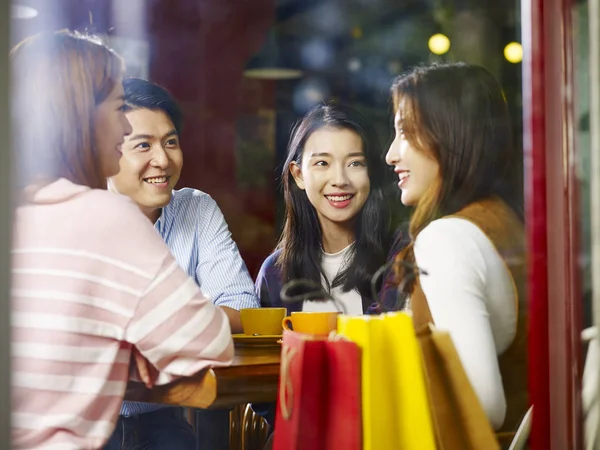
(91,279)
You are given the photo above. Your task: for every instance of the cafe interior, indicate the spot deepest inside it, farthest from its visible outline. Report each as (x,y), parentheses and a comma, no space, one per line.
(244,72)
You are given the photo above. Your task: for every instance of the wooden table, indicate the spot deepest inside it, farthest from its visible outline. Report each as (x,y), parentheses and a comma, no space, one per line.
(253,377)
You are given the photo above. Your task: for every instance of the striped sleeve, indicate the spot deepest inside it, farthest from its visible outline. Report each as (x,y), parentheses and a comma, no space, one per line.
(177,328)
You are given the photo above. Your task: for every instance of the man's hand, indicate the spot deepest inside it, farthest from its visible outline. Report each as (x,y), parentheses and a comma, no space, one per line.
(146,371)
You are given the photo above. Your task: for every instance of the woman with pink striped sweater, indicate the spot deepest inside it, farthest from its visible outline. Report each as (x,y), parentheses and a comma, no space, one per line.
(92,280)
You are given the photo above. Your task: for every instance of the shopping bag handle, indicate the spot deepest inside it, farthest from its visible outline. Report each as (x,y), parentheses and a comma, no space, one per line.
(426,329)
(297,291)
(286,396)
(401,302)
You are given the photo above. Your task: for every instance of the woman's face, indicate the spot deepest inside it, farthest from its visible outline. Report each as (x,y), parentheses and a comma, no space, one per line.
(416,170)
(110,128)
(334,175)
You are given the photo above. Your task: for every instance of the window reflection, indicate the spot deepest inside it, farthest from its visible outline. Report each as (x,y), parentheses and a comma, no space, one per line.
(244,72)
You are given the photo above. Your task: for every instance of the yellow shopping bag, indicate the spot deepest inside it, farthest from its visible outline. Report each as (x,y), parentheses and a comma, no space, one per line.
(395,409)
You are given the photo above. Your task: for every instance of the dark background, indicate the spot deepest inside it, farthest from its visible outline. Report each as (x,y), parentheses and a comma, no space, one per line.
(236,128)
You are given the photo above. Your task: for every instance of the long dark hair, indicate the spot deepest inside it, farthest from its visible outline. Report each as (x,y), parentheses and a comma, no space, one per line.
(457,114)
(301,239)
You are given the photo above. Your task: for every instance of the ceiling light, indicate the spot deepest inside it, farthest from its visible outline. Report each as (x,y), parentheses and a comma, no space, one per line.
(22,12)
(513,52)
(439,44)
(308,93)
(269,63)
(273,73)
(354,64)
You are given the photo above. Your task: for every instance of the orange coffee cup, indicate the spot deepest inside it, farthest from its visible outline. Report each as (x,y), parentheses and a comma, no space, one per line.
(319,323)
(262,321)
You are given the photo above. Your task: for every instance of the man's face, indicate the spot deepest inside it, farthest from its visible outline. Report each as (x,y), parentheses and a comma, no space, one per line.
(151,163)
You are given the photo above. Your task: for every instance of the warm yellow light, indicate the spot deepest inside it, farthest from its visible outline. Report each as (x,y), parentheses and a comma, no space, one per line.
(513,52)
(357,32)
(439,44)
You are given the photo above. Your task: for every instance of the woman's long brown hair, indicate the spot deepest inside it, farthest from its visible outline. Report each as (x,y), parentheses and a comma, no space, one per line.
(457,114)
(58,80)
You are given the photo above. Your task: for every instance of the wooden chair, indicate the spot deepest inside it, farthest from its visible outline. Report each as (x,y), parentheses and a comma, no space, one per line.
(247,430)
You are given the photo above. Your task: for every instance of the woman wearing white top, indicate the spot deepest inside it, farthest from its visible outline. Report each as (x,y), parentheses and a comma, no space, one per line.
(453,149)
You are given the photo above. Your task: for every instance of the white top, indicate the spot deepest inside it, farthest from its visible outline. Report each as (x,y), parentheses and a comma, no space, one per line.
(471,295)
(332,264)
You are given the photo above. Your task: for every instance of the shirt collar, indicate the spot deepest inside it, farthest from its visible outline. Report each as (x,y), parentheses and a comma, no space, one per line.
(160,222)
(164,214)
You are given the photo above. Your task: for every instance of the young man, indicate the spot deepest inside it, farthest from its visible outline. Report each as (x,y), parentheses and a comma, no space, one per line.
(194,229)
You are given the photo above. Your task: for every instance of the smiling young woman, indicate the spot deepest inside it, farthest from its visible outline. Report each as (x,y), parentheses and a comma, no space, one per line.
(82,283)
(337,226)
(49,143)
(456,163)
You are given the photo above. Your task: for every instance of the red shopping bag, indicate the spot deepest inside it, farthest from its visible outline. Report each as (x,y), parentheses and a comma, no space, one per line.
(318,406)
